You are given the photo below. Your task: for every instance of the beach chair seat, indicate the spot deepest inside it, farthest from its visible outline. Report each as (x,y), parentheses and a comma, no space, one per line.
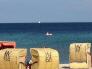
(77,65)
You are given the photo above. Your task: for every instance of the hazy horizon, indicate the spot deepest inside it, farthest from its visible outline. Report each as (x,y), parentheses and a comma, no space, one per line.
(18,11)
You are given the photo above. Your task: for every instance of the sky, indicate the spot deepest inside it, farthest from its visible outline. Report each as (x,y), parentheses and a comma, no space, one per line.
(13,11)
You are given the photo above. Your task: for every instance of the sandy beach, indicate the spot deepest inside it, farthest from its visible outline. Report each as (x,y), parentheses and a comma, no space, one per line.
(63,66)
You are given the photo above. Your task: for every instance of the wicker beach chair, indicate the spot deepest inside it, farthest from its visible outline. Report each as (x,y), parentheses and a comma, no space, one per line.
(79,56)
(12,58)
(44,58)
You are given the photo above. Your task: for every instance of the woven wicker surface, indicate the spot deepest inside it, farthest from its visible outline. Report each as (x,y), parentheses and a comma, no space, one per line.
(46,58)
(9,58)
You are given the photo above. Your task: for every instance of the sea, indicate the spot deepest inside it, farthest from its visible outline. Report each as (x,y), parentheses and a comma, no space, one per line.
(33,35)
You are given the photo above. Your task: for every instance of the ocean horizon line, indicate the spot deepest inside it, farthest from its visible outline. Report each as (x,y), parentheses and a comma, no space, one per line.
(43,22)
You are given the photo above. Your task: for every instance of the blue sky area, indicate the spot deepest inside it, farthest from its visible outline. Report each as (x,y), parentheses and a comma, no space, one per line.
(45,11)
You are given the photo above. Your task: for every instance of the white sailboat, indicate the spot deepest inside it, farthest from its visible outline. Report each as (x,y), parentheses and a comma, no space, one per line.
(49,34)
(39,22)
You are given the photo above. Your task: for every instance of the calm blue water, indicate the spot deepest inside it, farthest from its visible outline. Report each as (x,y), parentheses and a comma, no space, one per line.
(28,35)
